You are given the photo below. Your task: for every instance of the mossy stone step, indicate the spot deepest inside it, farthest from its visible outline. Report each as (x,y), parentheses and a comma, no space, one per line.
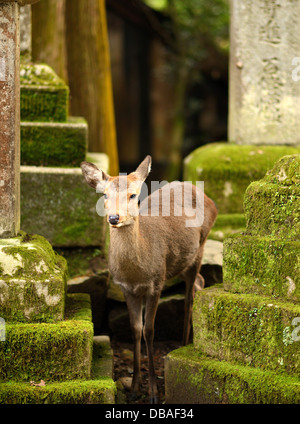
(192,377)
(50,351)
(247,329)
(102,358)
(100,391)
(227,224)
(227,170)
(272,205)
(33,280)
(44,96)
(54,144)
(262,265)
(58,204)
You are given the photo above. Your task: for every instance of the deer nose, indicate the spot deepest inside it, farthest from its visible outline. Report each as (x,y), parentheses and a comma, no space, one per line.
(113,219)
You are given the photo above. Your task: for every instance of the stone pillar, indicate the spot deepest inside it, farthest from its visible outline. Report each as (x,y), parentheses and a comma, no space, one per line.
(9,120)
(25,32)
(10,117)
(264,98)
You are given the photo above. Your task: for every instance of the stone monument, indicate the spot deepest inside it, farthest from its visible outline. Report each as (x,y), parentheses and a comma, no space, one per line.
(263,97)
(46,336)
(24,260)
(264,114)
(54,200)
(9,120)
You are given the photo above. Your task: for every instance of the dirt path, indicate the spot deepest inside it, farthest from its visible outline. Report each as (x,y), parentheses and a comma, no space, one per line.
(123,366)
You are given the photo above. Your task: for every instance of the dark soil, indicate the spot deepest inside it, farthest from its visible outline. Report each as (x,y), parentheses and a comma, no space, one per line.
(123,367)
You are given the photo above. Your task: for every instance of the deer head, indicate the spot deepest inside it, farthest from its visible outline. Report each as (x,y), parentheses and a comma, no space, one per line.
(120,193)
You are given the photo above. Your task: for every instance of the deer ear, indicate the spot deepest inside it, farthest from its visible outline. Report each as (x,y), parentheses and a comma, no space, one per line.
(144,168)
(94,176)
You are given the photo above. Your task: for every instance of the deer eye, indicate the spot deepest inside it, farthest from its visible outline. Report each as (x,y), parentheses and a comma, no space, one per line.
(105,196)
(133,196)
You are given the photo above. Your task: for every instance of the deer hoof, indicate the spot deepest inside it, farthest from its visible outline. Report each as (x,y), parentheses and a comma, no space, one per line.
(133,397)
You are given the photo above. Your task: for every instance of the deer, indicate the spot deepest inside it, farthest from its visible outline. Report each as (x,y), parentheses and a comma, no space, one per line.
(146,249)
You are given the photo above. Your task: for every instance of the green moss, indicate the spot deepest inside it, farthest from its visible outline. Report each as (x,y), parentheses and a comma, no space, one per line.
(52,352)
(56,203)
(227,224)
(246,329)
(251,265)
(192,377)
(102,349)
(234,220)
(39,75)
(272,205)
(228,169)
(44,104)
(100,391)
(53,144)
(44,96)
(78,307)
(33,280)
(285,172)
(80,260)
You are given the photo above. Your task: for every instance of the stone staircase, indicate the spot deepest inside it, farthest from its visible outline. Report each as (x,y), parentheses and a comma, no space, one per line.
(246,343)
(58,362)
(49,353)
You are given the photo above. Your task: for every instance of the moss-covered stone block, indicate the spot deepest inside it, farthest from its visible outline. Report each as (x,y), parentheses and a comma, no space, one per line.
(191,377)
(227,224)
(50,351)
(102,350)
(58,204)
(247,329)
(227,170)
(286,171)
(76,392)
(44,96)
(32,280)
(54,144)
(262,265)
(272,205)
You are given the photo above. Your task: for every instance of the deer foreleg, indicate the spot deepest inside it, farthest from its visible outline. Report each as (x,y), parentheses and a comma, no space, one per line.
(134,305)
(150,313)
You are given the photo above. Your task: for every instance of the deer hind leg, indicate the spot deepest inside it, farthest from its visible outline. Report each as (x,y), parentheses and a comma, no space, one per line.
(135,305)
(193,282)
(150,313)
(199,283)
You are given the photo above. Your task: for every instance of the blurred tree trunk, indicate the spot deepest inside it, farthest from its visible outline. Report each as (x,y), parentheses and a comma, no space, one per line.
(178,130)
(48,35)
(90,74)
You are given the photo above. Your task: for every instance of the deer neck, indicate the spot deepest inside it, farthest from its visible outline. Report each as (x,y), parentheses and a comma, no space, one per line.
(126,242)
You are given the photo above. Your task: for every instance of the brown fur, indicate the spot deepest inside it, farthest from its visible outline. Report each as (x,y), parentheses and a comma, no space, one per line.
(145,251)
